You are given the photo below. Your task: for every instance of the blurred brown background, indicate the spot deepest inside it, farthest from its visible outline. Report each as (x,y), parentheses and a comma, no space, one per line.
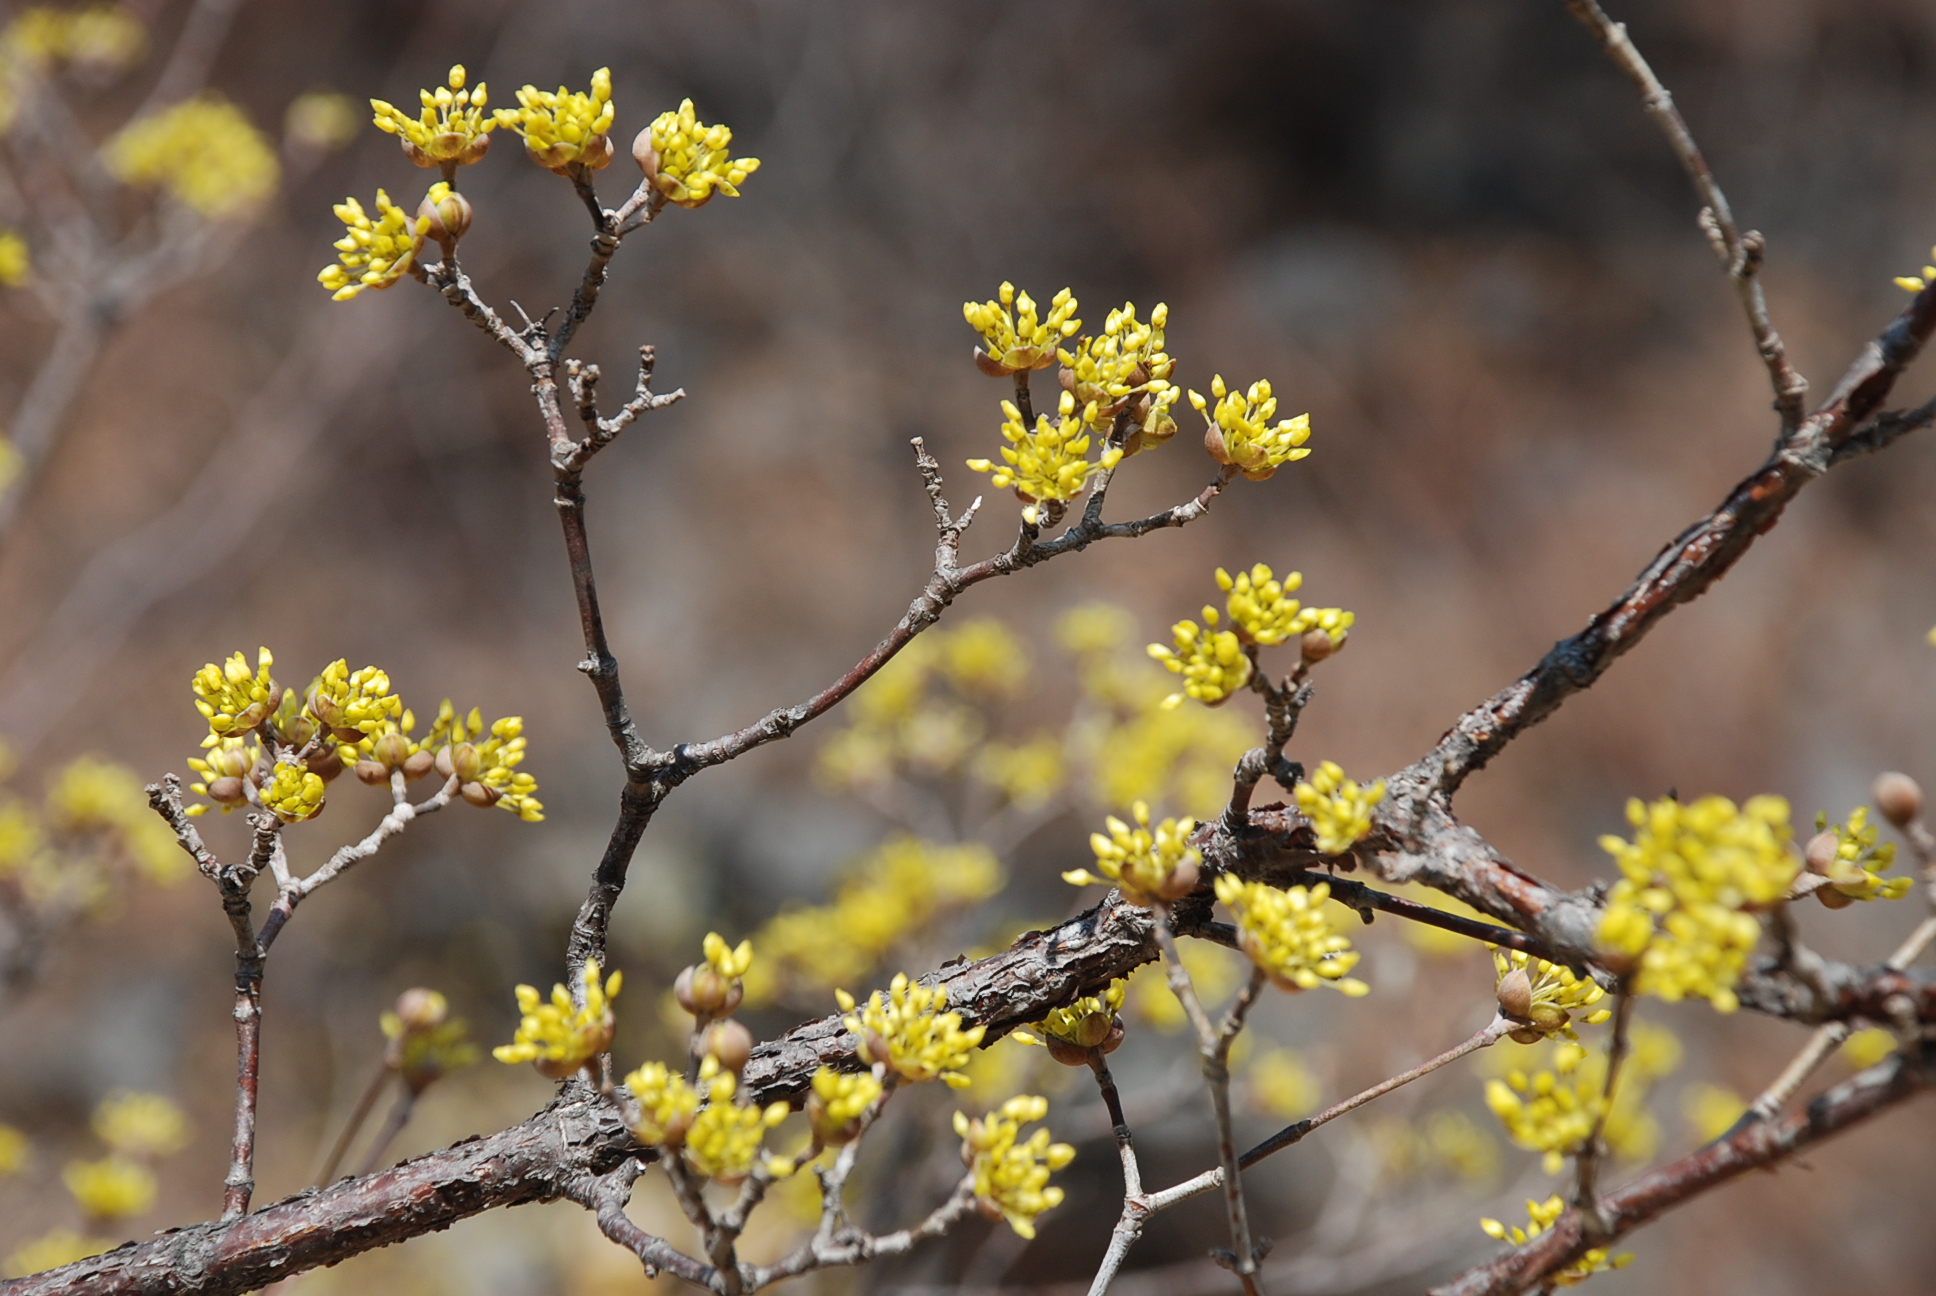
(1442,226)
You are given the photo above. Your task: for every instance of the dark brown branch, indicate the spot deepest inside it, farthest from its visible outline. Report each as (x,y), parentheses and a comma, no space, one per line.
(1757,1145)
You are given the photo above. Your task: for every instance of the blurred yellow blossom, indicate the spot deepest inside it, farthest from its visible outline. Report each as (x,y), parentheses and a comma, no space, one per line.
(1015,337)
(320,119)
(52,1250)
(687,161)
(1540,1217)
(16,263)
(908,1030)
(1213,973)
(102,35)
(893,892)
(1182,756)
(203,152)
(11,462)
(1339,810)
(566,128)
(15,1151)
(1011,1176)
(725,1140)
(1212,662)
(91,795)
(982,655)
(558,1038)
(451,128)
(1150,865)
(1916,283)
(1051,462)
(1240,434)
(1679,911)
(1281,1085)
(111,1188)
(837,1102)
(373,253)
(1865,1048)
(1711,1110)
(1287,934)
(1028,774)
(140,1124)
(1094,628)
(425,1042)
(1446,1142)
(666,1105)
(1550,1111)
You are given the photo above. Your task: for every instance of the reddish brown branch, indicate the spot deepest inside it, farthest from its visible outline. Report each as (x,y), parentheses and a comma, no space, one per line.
(1758,1145)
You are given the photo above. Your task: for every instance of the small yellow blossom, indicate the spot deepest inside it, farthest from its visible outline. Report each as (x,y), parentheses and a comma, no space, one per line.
(1150,865)
(686,160)
(558,1038)
(1180,755)
(1015,337)
(1240,434)
(11,463)
(140,1124)
(1540,1217)
(321,120)
(908,1030)
(730,961)
(16,262)
(52,1250)
(373,253)
(111,1188)
(426,1043)
(1916,283)
(486,766)
(1212,662)
(981,655)
(1711,1110)
(1339,810)
(452,127)
(1262,610)
(1050,463)
(231,699)
(837,1103)
(1027,774)
(1859,863)
(895,891)
(666,1105)
(1288,934)
(1543,995)
(1281,1085)
(15,1151)
(1090,628)
(1126,368)
(203,152)
(105,36)
(1011,1177)
(567,128)
(1070,1032)
(221,771)
(724,1141)
(1679,911)
(293,794)
(1550,1111)
(1445,1143)
(1865,1048)
(353,703)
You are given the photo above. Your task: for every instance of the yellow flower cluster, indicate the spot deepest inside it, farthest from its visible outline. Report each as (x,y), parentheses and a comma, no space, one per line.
(140,1124)
(15,1151)
(1070,1032)
(1916,283)
(1262,610)
(112,1188)
(1543,995)
(451,128)
(1550,1111)
(909,1031)
(426,1043)
(1677,912)
(373,253)
(1855,872)
(1150,865)
(724,1140)
(16,263)
(837,1103)
(93,822)
(233,700)
(686,160)
(487,767)
(321,120)
(558,1038)
(52,1250)
(893,892)
(11,462)
(1212,662)
(353,704)
(92,797)
(1050,463)
(1027,773)
(107,36)
(666,1105)
(1126,368)
(1015,336)
(1865,1048)
(1540,1217)
(1339,810)
(1214,971)
(567,128)
(293,794)
(1240,434)
(1011,1176)
(1288,934)
(1711,1110)
(203,153)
